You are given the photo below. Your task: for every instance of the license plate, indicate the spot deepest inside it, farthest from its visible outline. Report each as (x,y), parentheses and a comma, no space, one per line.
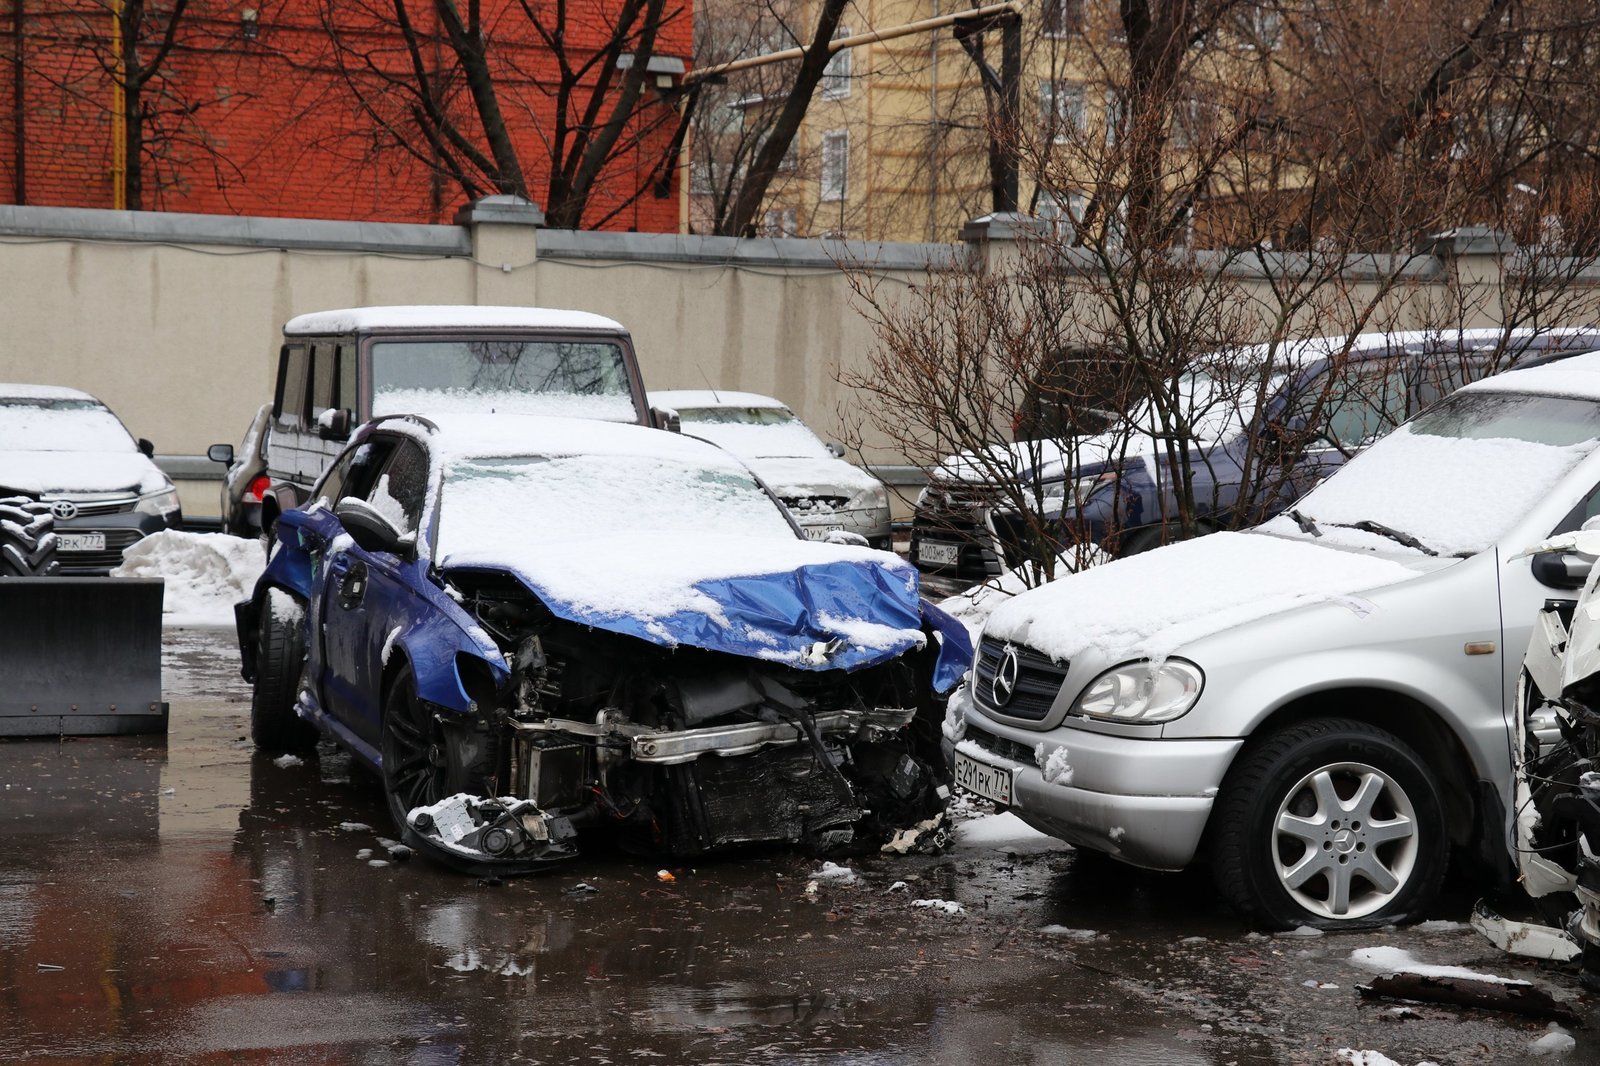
(990,782)
(936,554)
(81,542)
(820,532)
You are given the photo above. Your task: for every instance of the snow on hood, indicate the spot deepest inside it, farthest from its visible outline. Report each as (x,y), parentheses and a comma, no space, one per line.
(72,472)
(750,441)
(1456,495)
(610,407)
(768,598)
(813,477)
(1150,605)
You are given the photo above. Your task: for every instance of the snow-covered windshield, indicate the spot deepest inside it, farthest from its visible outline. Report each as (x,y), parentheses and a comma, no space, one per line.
(1453,479)
(582,379)
(494,508)
(754,432)
(67,425)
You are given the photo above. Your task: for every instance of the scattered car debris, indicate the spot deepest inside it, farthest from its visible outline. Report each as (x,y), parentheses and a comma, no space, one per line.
(485,836)
(1403,977)
(666,875)
(948,906)
(832,871)
(49,967)
(1527,939)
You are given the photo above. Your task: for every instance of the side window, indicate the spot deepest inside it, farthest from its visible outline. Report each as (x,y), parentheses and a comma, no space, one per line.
(402,489)
(1365,401)
(1589,508)
(323,376)
(355,471)
(289,408)
(347,397)
(1441,373)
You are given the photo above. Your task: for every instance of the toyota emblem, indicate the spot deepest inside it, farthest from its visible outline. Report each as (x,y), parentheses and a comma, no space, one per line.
(64,509)
(1005,677)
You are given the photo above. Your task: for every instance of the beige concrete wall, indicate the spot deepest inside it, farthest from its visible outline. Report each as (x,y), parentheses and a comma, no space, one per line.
(174,320)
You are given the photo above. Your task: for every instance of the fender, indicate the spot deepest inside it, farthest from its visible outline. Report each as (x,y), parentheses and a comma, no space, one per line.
(433,644)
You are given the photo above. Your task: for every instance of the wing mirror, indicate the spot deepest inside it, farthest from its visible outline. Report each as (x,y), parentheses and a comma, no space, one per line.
(666,418)
(147,449)
(220,453)
(835,449)
(846,537)
(334,424)
(371,530)
(1562,570)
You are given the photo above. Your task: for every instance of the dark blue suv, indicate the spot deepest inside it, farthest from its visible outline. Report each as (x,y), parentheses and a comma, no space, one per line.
(540,628)
(1252,451)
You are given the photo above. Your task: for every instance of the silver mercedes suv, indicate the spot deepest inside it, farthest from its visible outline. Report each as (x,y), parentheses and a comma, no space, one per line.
(1318,707)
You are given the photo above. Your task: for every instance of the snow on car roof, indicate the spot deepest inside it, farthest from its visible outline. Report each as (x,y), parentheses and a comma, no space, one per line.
(1577,377)
(446,316)
(479,436)
(42,392)
(675,398)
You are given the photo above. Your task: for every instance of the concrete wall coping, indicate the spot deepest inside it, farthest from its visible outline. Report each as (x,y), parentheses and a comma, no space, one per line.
(775,252)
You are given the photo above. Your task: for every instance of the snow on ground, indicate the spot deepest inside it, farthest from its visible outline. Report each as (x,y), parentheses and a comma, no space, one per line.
(1003,832)
(1387,960)
(206,573)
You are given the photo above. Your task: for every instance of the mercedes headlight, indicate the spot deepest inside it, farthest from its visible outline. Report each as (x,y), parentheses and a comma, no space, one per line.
(1142,692)
(162,502)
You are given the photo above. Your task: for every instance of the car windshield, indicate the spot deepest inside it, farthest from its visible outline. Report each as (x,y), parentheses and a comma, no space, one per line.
(754,432)
(496,507)
(1455,478)
(586,379)
(30,425)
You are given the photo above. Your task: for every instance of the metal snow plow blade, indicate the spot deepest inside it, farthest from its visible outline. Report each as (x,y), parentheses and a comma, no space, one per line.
(80,656)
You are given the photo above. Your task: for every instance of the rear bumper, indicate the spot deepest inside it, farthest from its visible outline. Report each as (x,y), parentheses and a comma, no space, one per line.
(1145,801)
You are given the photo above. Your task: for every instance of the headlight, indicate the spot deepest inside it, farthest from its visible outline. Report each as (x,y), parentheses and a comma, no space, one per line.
(1142,692)
(875,498)
(162,503)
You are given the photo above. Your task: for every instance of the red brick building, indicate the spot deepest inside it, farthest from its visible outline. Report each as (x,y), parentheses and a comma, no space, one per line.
(312,108)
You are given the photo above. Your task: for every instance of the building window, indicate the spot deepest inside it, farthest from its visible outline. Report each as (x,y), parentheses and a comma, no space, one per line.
(1061,109)
(1063,18)
(835,164)
(1116,117)
(836,75)
(1063,210)
(779,222)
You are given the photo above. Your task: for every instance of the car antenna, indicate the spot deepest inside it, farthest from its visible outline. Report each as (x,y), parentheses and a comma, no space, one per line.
(710,386)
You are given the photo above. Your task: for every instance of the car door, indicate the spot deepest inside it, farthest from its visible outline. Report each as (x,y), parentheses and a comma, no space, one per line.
(370,599)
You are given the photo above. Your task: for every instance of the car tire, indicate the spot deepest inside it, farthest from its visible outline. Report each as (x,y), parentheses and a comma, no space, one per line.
(280,662)
(27,538)
(425,761)
(1332,823)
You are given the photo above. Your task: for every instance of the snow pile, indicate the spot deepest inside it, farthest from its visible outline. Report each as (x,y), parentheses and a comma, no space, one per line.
(771,440)
(1053,764)
(1003,832)
(1154,603)
(1067,933)
(1555,1042)
(1388,960)
(206,573)
(1455,495)
(832,871)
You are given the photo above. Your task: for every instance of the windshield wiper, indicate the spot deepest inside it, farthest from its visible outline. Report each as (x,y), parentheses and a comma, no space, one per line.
(1307,525)
(1367,525)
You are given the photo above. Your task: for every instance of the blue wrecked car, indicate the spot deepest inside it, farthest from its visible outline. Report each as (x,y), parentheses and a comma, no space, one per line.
(546,630)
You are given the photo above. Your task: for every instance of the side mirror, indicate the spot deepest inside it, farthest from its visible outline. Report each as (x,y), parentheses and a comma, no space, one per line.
(220,453)
(370,529)
(666,418)
(1562,570)
(334,424)
(147,449)
(835,449)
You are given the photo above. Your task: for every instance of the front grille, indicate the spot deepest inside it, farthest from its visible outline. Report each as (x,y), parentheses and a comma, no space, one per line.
(80,563)
(1039,679)
(1006,749)
(94,508)
(803,505)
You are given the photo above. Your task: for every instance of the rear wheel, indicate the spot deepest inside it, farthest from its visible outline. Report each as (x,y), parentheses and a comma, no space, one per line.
(1333,824)
(27,538)
(280,662)
(426,759)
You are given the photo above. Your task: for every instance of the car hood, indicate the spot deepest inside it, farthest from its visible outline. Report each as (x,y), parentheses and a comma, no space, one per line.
(808,605)
(74,472)
(812,477)
(1149,606)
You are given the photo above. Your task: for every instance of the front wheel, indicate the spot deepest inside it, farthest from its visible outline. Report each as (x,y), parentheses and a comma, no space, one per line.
(280,663)
(1332,824)
(426,759)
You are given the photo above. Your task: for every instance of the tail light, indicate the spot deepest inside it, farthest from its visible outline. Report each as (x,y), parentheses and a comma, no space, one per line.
(258,487)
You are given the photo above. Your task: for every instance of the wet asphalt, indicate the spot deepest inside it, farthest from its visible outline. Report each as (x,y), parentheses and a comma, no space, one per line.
(185,899)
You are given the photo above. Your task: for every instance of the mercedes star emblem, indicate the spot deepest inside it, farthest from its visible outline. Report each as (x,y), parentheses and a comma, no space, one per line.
(64,509)
(1005,677)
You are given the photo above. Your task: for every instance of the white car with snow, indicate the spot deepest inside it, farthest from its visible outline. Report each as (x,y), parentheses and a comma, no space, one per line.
(64,448)
(1319,708)
(821,490)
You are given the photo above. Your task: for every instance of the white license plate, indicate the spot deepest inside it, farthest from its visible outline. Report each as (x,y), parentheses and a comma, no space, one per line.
(820,532)
(936,554)
(81,542)
(990,782)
